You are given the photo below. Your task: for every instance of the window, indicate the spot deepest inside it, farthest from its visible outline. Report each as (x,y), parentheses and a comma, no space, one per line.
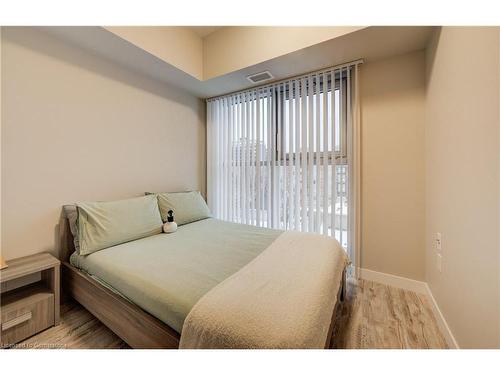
(327,152)
(280,156)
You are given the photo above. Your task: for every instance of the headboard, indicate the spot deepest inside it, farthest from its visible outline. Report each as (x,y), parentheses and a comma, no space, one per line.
(66,244)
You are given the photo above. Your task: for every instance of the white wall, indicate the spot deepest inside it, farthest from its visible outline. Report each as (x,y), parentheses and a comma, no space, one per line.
(462,177)
(498,192)
(179,46)
(77,127)
(392,165)
(232,48)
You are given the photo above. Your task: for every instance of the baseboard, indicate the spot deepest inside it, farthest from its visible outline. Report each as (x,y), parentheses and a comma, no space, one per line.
(393,280)
(445,329)
(417,287)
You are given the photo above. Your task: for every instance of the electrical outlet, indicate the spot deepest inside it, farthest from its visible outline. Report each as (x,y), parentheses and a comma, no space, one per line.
(438,241)
(439,260)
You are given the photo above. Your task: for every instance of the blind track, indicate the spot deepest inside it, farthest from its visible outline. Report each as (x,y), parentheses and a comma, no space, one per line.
(278,82)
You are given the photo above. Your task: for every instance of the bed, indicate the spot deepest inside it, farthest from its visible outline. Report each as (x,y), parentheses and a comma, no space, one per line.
(151,290)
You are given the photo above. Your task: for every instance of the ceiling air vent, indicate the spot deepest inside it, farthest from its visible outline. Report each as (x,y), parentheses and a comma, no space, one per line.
(260,77)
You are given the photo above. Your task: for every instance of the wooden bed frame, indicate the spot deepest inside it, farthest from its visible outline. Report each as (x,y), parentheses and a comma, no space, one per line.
(136,327)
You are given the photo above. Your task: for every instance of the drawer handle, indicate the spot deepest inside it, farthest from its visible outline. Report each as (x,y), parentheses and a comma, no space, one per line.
(16,321)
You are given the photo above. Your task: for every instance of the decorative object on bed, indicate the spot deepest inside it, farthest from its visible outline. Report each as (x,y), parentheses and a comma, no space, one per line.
(170,226)
(286,155)
(105,224)
(188,206)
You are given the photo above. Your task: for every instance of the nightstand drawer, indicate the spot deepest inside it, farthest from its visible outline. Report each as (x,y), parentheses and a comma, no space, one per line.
(26,316)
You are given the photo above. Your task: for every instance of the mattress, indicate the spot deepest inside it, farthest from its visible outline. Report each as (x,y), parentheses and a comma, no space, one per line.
(166,274)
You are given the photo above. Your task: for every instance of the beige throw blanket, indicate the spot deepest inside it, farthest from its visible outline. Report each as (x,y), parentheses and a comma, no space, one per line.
(284,298)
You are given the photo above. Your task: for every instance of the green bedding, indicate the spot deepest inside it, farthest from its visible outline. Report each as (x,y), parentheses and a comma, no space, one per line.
(166,274)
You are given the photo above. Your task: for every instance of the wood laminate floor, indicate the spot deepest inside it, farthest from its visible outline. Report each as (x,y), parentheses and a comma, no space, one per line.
(372,316)
(377,316)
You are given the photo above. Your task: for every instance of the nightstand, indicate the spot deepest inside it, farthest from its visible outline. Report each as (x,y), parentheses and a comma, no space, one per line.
(29,309)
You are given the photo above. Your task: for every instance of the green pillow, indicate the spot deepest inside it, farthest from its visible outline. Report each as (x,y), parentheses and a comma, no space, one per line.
(105,224)
(72,216)
(187,206)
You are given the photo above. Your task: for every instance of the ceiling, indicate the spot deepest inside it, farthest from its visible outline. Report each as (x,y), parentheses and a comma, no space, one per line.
(370,43)
(203,31)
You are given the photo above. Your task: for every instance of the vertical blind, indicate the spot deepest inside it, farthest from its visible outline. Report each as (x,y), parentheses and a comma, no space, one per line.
(284,155)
